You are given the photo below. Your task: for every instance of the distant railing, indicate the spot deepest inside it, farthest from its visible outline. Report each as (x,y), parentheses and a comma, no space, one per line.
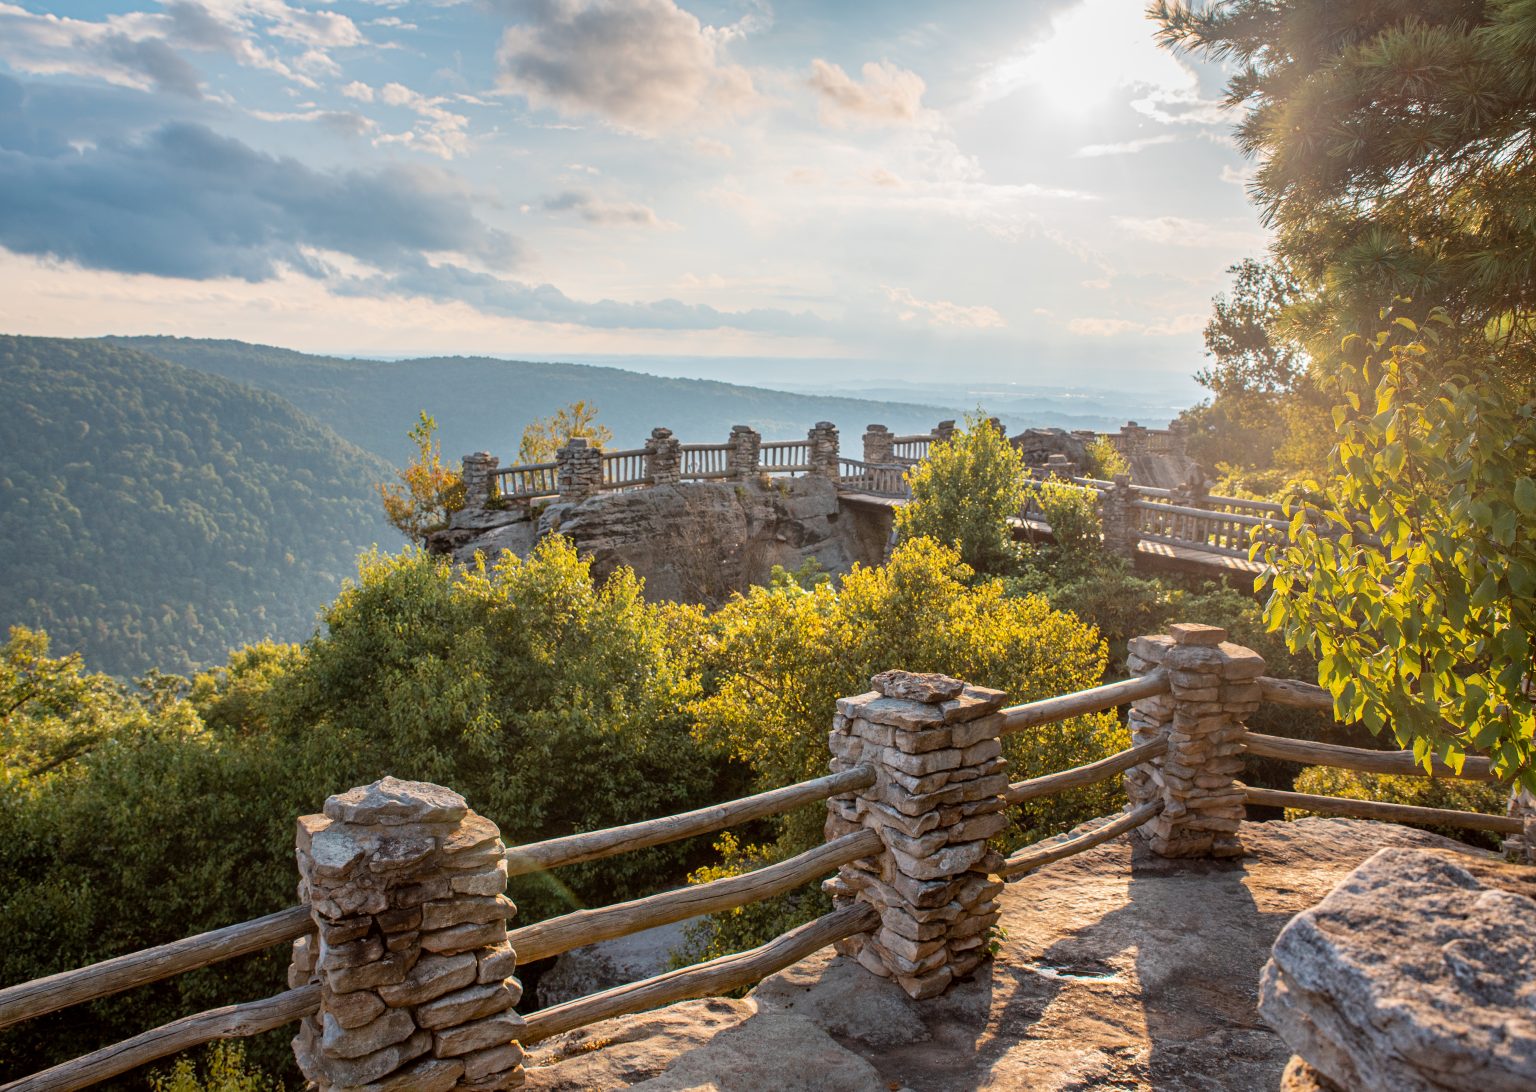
(625,469)
(705,462)
(887,480)
(784,457)
(530,481)
(906,776)
(910,449)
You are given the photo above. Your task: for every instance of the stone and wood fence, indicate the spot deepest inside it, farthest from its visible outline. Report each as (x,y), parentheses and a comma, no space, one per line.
(403,964)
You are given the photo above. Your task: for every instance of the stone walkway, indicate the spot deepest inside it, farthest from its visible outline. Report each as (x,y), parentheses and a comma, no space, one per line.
(1119,971)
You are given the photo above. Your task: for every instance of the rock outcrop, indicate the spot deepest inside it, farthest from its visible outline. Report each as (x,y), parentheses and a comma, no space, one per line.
(1412,976)
(695,542)
(593,968)
(1119,970)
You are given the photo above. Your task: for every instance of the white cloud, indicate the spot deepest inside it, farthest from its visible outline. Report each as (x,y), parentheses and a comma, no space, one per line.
(942,312)
(717,149)
(888,94)
(1127,147)
(439,131)
(1114,327)
(1182,232)
(641,65)
(595,210)
(358,90)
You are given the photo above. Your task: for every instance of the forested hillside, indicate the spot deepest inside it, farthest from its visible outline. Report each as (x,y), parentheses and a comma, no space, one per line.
(482,404)
(155,516)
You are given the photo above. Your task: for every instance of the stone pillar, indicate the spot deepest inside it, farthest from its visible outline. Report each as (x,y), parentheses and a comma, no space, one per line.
(1134,440)
(479,485)
(1214,689)
(944,433)
(663,457)
(742,459)
(1194,491)
(579,472)
(1521,848)
(1059,466)
(935,745)
(406,887)
(1118,518)
(823,443)
(879,445)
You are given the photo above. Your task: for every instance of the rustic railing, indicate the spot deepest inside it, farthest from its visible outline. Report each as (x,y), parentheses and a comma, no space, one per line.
(625,469)
(910,450)
(784,457)
(530,481)
(705,462)
(1155,696)
(878,480)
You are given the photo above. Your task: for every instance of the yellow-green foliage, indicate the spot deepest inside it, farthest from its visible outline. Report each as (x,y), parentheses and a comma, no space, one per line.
(1423,792)
(427,491)
(547,435)
(964,493)
(1105,460)
(781,657)
(226,1070)
(1076,545)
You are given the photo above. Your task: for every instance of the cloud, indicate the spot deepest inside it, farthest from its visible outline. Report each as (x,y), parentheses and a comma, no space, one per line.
(1127,147)
(888,95)
(145,50)
(358,90)
(183,201)
(489,294)
(1175,326)
(640,65)
(594,210)
(439,131)
(1181,232)
(942,312)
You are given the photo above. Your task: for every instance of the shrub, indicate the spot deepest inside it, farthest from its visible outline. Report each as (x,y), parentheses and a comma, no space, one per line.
(427,492)
(964,494)
(1422,792)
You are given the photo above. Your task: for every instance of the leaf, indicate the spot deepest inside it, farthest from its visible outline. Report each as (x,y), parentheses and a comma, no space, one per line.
(1525,496)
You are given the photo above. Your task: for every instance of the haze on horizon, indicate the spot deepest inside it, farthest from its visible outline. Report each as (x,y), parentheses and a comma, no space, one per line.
(1026,193)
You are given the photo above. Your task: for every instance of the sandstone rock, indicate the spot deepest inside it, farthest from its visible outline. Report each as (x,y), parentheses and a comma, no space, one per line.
(469,1003)
(389,1028)
(1410,976)
(1120,970)
(498,1059)
(593,968)
(427,1075)
(381,1063)
(497,1030)
(930,688)
(461,938)
(391,802)
(433,976)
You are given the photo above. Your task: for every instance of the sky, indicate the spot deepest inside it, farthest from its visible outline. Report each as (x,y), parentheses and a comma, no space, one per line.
(1022,192)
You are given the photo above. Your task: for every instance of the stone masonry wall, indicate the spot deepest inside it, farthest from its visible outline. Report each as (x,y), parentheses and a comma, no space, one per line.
(934,743)
(406,887)
(1213,688)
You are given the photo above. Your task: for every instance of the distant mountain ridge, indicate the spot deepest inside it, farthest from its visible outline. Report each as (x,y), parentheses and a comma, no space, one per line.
(153,515)
(482,404)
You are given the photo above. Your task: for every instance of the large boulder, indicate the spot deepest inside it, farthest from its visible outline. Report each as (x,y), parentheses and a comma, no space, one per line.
(1413,975)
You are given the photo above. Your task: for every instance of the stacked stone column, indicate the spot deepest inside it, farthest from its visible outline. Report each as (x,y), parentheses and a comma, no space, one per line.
(579,470)
(822,440)
(935,745)
(663,457)
(1214,688)
(1118,518)
(1059,466)
(742,461)
(406,887)
(945,432)
(879,445)
(476,472)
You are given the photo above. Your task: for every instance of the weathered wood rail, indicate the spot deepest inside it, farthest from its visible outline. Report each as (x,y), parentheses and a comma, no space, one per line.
(847,923)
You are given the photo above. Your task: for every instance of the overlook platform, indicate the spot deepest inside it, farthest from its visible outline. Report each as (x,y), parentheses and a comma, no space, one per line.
(1120,970)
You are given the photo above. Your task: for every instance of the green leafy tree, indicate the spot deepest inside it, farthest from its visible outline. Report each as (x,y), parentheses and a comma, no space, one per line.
(1105,460)
(1421,614)
(547,435)
(426,492)
(964,493)
(1396,151)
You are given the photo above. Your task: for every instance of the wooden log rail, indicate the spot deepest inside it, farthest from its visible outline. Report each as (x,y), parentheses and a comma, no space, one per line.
(1297,694)
(705,979)
(594,845)
(1372,809)
(1361,758)
(1091,774)
(1056,849)
(66,988)
(556,935)
(229,1022)
(1017,718)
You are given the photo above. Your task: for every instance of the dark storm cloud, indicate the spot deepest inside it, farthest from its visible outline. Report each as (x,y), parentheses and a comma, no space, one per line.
(183,201)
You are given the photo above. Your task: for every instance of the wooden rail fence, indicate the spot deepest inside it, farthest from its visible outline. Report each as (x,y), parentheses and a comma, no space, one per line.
(544,939)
